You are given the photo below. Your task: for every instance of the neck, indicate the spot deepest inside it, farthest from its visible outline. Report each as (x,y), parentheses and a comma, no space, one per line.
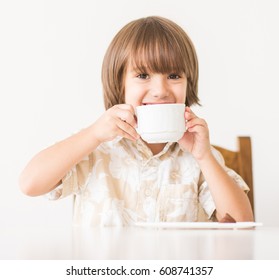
(156,148)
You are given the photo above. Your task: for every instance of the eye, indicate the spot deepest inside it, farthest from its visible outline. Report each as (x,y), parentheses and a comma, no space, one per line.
(174,76)
(143,76)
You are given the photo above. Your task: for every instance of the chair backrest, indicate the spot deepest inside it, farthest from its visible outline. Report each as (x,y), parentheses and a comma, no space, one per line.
(241,162)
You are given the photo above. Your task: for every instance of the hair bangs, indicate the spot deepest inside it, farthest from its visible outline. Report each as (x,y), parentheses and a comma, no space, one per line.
(156,52)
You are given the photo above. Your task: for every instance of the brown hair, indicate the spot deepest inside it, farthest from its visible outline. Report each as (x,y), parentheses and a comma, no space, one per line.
(152,43)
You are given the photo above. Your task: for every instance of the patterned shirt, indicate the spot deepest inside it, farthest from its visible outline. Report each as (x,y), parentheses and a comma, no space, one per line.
(122,182)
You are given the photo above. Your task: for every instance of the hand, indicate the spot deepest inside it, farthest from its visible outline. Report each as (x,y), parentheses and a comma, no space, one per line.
(196,139)
(119,120)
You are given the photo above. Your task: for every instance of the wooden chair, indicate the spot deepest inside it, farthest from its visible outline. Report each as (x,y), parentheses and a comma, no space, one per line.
(241,162)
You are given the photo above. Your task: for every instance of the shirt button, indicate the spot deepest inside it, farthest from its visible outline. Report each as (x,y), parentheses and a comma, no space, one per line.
(148,192)
(174,175)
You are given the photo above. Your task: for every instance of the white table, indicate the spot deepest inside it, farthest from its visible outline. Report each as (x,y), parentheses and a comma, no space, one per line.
(137,243)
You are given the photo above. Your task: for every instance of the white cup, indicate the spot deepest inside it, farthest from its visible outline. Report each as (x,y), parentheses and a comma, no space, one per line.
(161,123)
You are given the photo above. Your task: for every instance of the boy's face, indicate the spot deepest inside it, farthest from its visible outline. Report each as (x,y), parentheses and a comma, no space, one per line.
(154,88)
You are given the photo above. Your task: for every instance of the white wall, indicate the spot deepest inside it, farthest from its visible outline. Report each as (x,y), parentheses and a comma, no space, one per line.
(51,54)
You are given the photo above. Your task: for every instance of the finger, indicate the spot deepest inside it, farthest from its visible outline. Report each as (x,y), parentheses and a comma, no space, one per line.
(189,114)
(199,129)
(196,121)
(125,107)
(126,115)
(126,130)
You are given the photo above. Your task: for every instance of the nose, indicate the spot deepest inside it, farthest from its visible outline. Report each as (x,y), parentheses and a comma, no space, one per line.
(159,88)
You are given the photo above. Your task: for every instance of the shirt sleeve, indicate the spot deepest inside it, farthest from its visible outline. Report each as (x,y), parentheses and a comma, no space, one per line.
(205,197)
(75,180)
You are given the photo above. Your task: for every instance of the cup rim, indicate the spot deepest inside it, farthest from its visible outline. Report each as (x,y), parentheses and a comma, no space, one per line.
(146,107)
(162,104)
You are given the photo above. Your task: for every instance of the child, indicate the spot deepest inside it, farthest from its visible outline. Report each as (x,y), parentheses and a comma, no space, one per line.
(116,177)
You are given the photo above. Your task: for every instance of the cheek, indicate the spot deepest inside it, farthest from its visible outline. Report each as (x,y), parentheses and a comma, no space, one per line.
(133,95)
(131,98)
(181,95)
(128,95)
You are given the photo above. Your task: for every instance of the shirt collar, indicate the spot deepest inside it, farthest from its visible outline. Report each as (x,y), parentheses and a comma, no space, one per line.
(145,151)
